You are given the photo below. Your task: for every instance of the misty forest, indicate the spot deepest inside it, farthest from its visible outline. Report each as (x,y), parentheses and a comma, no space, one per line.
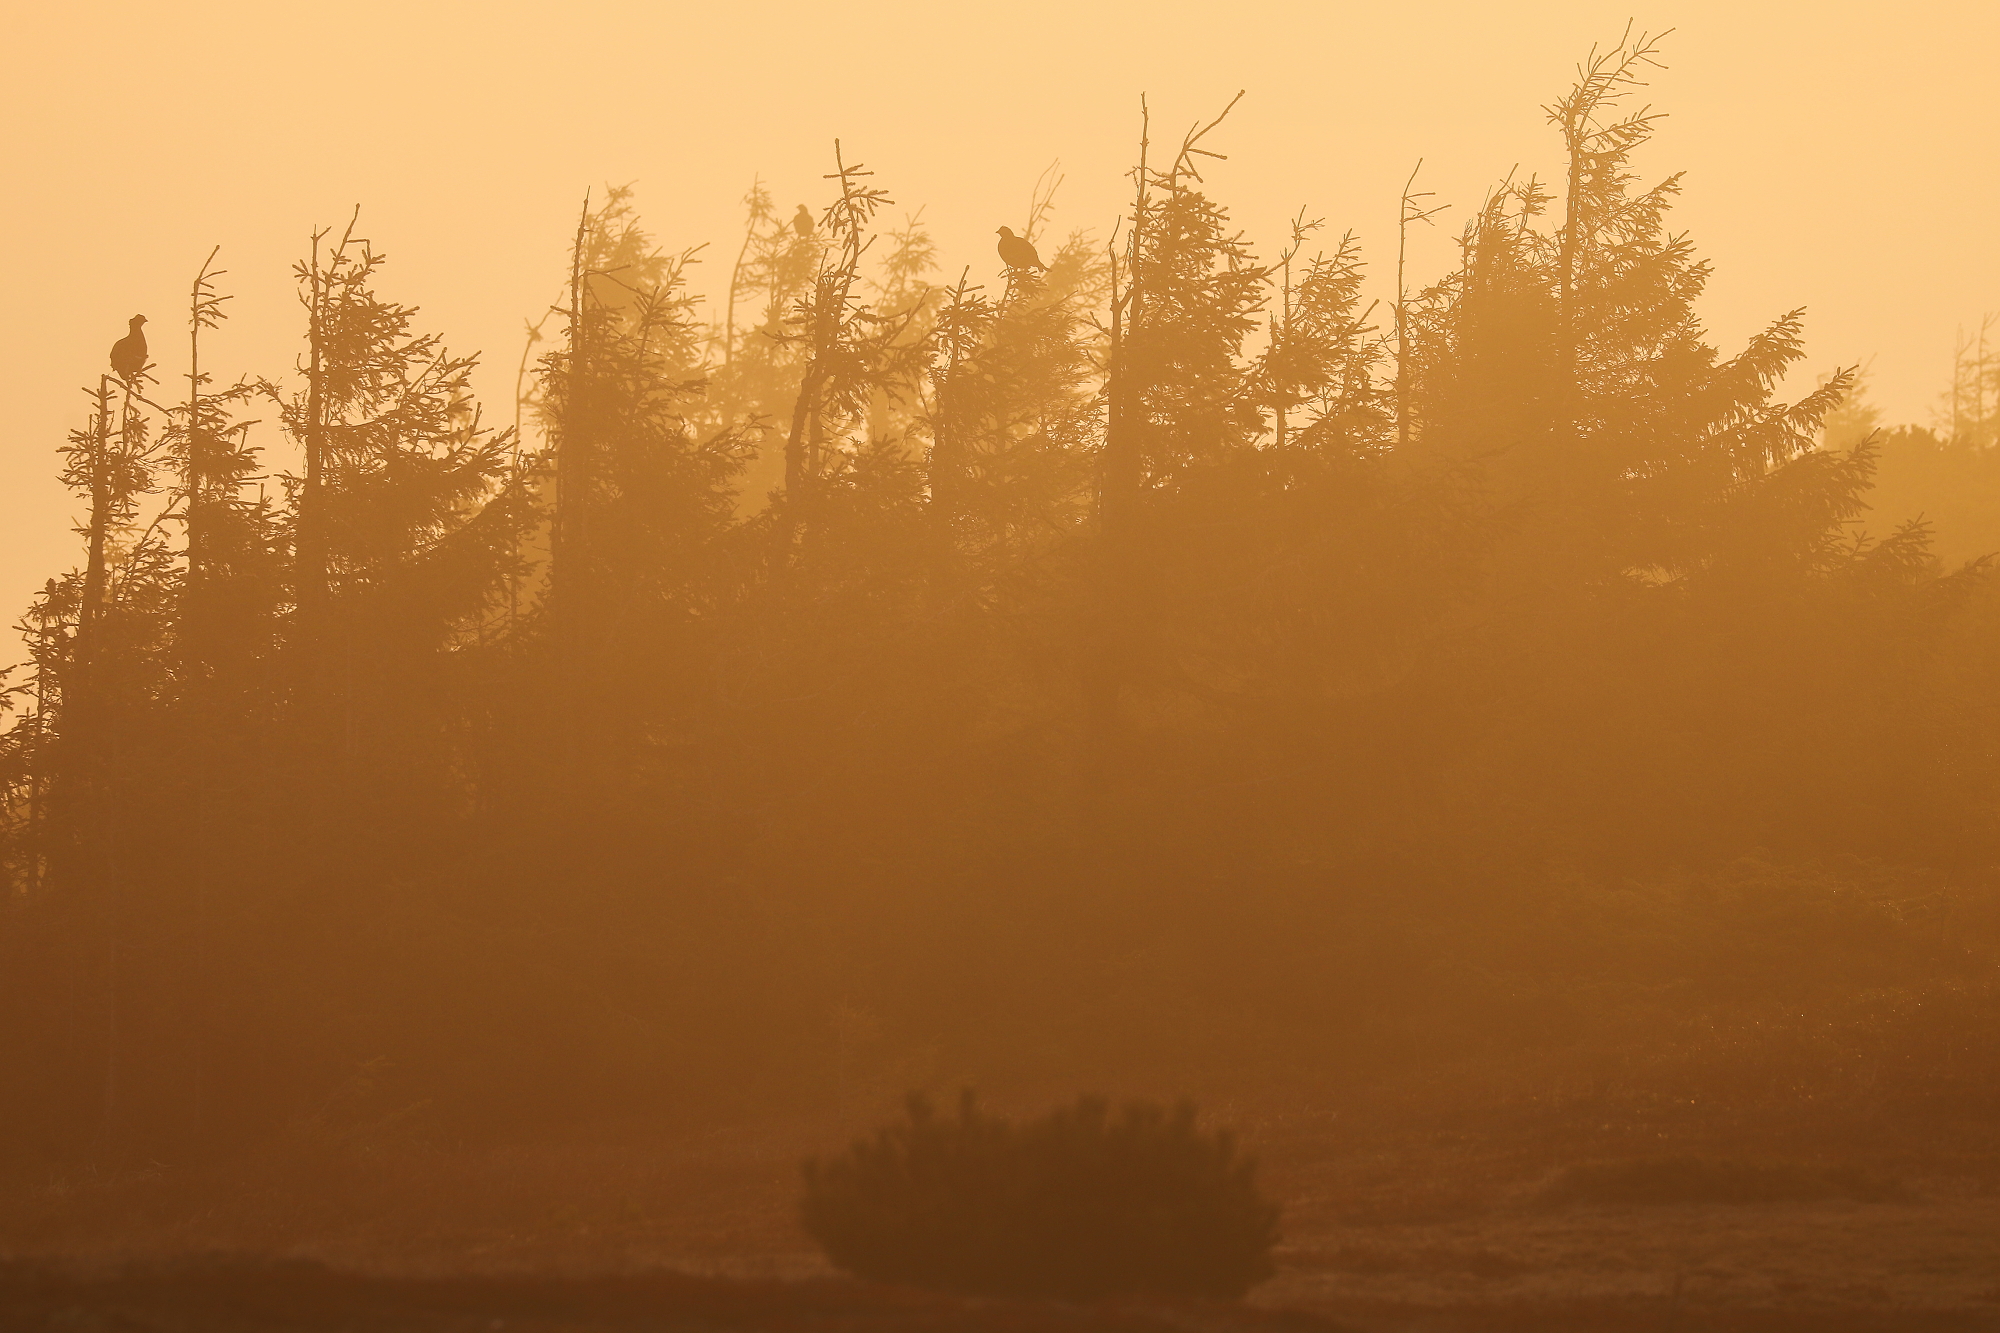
(1134,660)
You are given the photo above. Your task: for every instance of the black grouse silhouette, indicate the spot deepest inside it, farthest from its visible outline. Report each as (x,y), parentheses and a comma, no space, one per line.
(802,222)
(1018,251)
(128,354)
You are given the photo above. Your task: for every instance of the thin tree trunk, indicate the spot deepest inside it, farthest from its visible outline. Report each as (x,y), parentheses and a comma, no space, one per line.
(1569,245)
(92,833)
(571,446)
(198,485)
(1118,491)
(567,535)
(1403,220)
(312,547)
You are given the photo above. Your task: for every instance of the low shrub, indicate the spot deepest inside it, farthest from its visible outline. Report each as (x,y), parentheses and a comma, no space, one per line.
(1079,1204)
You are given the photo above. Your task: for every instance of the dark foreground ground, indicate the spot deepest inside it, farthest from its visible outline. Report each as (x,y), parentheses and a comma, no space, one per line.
(1574,1218)
(250,1296)
(228,1296)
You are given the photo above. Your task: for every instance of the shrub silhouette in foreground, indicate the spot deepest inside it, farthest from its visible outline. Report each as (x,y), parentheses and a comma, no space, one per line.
(1080,1203)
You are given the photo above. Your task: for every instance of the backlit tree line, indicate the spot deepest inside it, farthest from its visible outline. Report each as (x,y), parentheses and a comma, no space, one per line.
(1139,661)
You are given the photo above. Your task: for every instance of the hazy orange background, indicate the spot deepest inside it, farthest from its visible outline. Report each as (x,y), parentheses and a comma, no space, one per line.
(1840,157)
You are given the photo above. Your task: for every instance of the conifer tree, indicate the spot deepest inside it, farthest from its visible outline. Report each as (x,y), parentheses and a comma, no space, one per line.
(1180,407)
(853,353)
(403,540)
(224,617)
(1014,418)
(757,380)
(228,585)
(99,641)
(1634,473)
(644,488)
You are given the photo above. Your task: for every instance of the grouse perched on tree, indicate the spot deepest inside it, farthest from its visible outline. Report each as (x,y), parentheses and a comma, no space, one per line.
(1018,251)
(802,223)
(128,354)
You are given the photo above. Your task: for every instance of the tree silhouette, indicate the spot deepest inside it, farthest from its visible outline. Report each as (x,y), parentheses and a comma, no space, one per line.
(1169,659)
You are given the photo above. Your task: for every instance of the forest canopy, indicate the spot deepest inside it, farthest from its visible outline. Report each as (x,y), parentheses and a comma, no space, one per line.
(1152,659)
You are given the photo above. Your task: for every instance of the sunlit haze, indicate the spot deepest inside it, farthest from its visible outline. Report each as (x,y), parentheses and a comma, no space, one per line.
(999,668)
(1836,155)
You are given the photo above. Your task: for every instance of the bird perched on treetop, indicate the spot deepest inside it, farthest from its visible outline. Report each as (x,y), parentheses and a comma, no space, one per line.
(802,222)
(128,354)
(1018,251)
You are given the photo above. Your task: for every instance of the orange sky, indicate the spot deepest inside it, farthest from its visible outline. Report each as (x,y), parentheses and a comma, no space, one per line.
(1839,157)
